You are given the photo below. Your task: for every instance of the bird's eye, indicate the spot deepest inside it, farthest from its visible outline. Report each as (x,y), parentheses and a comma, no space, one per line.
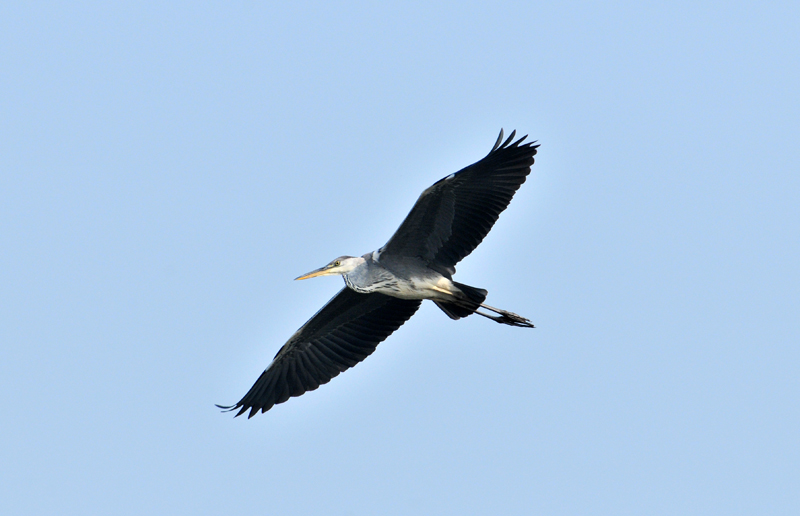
(337,263)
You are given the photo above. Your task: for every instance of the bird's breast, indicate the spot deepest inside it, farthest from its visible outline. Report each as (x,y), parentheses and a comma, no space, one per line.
(439,288)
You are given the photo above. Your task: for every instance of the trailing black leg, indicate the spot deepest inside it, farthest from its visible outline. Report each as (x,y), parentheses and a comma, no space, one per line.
(472,301)
(506,317)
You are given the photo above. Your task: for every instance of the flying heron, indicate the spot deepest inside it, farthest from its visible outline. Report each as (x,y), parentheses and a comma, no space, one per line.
(384,288)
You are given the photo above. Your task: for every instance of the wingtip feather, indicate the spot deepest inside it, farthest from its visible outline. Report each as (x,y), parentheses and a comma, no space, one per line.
(497,143)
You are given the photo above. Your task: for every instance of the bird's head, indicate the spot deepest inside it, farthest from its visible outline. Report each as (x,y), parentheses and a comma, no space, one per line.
(341,265)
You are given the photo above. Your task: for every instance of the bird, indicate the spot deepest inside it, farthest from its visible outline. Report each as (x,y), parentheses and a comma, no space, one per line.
(384,288)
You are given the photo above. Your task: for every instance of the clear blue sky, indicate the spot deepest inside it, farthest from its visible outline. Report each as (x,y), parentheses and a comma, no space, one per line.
(167,169)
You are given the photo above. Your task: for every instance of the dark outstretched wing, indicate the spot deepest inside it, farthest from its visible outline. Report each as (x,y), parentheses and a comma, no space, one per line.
(454,215)
(343,333)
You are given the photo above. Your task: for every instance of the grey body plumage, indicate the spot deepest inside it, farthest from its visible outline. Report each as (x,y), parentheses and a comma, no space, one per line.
(384,288)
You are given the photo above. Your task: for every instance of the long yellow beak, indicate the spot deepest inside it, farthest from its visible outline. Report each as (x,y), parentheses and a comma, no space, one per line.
(322,271)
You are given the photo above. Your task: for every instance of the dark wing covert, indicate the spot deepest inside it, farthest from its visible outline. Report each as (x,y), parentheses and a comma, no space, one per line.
(454,215)
(343,333)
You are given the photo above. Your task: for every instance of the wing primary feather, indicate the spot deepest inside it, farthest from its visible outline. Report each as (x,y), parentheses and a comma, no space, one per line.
(312,374)
(497,143)
(281,387)
(510,137)
(293,385)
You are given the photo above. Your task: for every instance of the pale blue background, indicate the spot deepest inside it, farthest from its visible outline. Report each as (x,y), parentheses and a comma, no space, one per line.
(168,169)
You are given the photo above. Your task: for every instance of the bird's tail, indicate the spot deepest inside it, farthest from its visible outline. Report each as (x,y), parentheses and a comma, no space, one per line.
(473,300)
(463,307)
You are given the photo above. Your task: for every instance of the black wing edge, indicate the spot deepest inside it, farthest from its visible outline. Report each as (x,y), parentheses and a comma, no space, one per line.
(531,145)
(286,381)
(513,160)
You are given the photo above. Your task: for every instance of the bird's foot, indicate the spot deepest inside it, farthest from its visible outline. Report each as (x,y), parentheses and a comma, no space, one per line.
(506,317)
